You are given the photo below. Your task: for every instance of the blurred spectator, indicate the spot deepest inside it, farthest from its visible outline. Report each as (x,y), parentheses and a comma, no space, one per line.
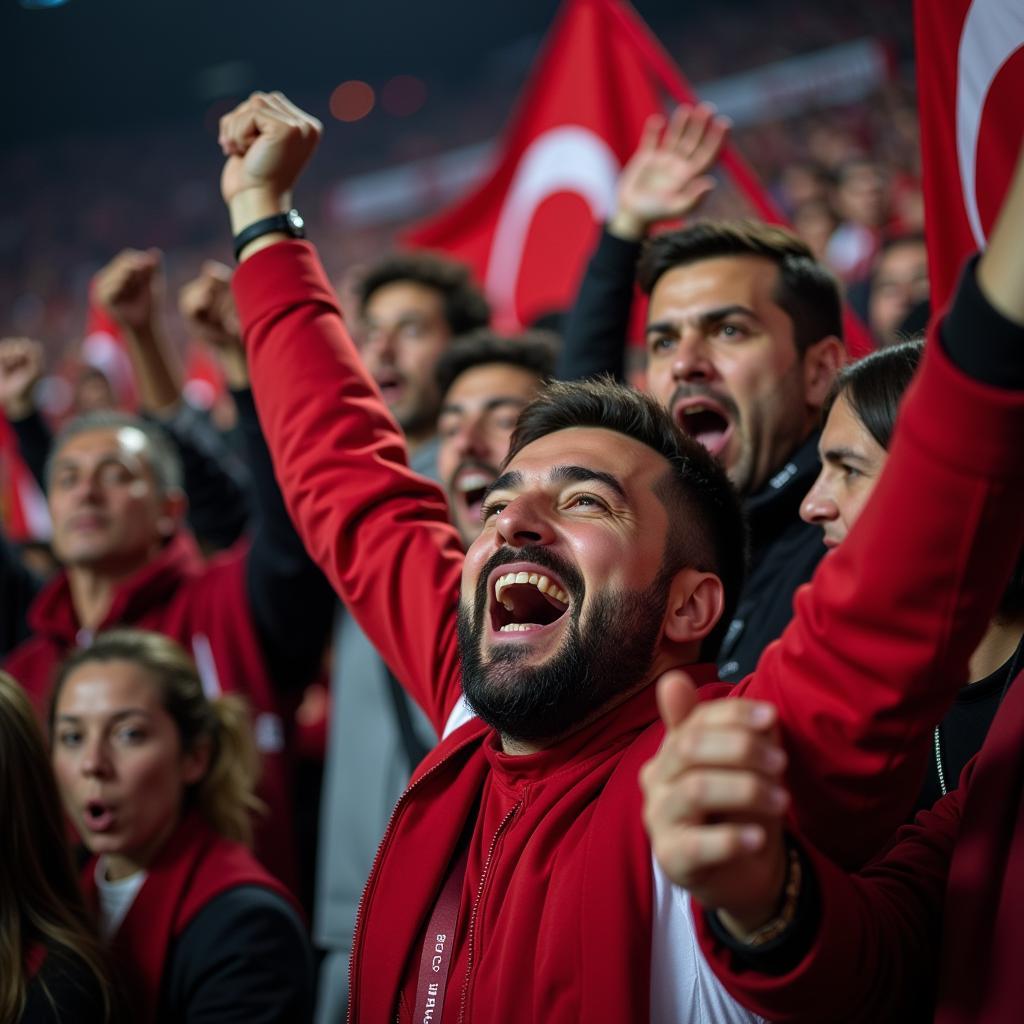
(899,284)
(861,201)
(815,222)
(158,780)
(486,381)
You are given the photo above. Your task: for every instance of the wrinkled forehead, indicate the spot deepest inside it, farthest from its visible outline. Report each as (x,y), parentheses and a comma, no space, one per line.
(630,461)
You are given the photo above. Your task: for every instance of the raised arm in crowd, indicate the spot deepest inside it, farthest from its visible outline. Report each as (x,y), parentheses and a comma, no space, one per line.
(932,926)
(583,532)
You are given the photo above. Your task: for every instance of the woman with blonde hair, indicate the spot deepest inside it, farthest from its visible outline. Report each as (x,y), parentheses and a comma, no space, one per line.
(159,782)
(51,966)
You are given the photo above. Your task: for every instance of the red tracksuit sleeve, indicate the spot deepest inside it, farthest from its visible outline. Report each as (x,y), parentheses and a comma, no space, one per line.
(881,638)
(341,462)
(877,946)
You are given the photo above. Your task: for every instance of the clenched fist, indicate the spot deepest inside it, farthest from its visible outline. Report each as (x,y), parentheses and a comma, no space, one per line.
(21,366)
(131,288)
(268,141)
(208,307)
(714,803)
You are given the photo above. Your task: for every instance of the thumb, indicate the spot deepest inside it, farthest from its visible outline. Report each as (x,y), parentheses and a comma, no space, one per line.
(677,697)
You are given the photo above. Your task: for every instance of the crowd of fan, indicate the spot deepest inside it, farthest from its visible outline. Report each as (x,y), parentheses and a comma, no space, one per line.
(551,620)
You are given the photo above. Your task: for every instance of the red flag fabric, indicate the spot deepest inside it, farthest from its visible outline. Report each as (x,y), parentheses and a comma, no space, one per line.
(970,75)
(527,230)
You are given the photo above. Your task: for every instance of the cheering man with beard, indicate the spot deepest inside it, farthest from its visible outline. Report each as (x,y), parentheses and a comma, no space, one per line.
(515,880)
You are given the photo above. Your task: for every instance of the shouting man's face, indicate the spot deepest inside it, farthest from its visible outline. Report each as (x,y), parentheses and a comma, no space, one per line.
(564,595)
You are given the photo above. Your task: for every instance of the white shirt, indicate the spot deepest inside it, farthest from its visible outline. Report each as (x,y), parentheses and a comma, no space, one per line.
(116,898)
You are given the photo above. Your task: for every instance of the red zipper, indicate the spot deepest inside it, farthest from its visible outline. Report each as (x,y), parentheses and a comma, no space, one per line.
(357,935)
(476,904)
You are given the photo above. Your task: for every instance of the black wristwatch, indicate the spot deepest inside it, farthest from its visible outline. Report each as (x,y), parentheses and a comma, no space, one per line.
(290,223)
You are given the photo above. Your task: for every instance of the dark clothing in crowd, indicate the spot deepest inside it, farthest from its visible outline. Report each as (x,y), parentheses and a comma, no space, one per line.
(62,990)
(210,937)
(252,941)
(961,733)
(18,588)
(785,550)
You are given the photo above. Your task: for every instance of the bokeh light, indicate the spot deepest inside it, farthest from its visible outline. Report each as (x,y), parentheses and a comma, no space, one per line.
(403,95)
(351,101)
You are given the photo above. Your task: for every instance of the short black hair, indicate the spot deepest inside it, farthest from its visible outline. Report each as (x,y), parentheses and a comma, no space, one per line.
(874,387)
(465,308)
(806,290)
(707,529)
(533,350)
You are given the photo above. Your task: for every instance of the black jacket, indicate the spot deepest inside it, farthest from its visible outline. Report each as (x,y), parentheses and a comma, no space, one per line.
(244,959)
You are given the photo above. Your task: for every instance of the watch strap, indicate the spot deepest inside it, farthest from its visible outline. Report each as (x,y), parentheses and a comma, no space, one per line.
(289,223)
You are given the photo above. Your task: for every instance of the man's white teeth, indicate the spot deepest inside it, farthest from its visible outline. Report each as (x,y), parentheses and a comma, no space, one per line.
(542,583)
(473,482)
(518,627)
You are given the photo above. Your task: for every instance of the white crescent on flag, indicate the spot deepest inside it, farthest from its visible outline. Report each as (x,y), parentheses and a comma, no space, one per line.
(993,32)
(565,159)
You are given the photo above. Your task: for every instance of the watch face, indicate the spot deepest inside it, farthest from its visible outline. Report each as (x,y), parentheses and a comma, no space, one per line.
(296,223)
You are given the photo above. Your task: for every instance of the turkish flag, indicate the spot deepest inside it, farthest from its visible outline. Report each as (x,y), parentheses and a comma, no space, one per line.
(528,229)
(970,75)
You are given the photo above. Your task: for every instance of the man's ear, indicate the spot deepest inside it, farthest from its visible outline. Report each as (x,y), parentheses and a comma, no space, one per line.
(696,601)
(173,507)
(822,361)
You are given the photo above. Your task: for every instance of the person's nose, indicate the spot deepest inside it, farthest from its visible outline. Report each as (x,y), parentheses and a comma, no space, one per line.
(95,761)
(524,521)
(819,507)
(692,358)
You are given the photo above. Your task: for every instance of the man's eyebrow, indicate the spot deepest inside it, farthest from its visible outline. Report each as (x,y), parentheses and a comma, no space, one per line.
(584,474)
(561,474)
(710,316)
(489,405)
(507,481)
(843,454)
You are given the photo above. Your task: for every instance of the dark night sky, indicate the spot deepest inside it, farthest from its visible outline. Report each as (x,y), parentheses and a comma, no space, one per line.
(99,65)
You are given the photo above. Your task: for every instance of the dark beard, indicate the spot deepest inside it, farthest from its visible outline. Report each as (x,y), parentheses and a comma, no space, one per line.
(611,655)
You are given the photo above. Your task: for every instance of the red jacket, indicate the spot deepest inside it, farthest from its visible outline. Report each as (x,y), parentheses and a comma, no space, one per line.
(933,928)
(194,867)
(572,859)
(203,606)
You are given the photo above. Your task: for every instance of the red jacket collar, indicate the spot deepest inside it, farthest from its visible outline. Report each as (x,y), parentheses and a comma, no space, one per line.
(53,613)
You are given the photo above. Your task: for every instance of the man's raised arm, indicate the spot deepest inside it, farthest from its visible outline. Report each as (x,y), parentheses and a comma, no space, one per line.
(880,642)
(378,531)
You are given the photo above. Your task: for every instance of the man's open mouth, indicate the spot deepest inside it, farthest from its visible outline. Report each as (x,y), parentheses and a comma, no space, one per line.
(391,386)
(525,600)
(470,486)
(705,421)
